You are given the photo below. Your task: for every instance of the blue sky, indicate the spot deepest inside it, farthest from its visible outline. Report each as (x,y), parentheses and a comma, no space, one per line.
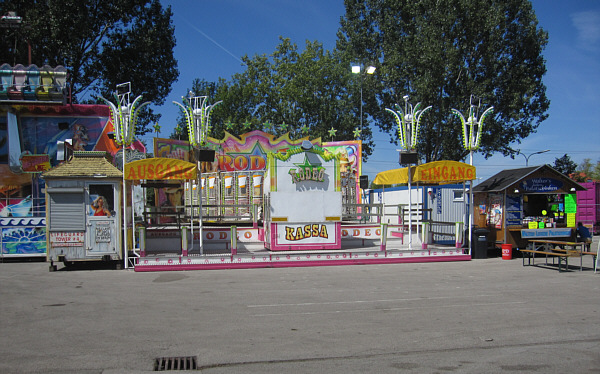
(212,36)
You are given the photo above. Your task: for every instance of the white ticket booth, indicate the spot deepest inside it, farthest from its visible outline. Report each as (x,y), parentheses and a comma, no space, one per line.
(83,211)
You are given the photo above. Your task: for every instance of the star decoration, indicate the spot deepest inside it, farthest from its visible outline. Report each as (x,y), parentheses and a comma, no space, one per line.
(229,125)
(307,165)
(283,126)
(304,129)
(357,133)
(268,126)
(332,132)
(247,125)
(156,128)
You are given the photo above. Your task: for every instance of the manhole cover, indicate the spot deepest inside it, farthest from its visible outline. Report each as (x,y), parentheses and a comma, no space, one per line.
(175,363)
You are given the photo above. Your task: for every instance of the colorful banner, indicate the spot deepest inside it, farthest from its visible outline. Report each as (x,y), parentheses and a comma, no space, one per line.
(248,152)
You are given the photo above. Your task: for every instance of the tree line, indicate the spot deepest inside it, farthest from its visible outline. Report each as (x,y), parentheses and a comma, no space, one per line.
(438,52)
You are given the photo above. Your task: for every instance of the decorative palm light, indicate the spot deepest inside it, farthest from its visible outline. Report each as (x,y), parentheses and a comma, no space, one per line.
(472,129)
(124,119)
(197,116)
(408,122)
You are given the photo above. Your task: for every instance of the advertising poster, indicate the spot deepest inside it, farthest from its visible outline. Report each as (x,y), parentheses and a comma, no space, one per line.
(495,217)
(514,211)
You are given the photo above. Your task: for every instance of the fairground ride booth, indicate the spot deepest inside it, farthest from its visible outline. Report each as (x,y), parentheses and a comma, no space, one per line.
(303,200)
(517,205)
(429,212)
(83,218)
(232,187)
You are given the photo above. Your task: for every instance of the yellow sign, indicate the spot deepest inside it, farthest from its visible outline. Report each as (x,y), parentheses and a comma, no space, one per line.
(160,168)
(437,172)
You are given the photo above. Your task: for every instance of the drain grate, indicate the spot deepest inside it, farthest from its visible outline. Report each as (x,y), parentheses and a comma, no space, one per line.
(175,363)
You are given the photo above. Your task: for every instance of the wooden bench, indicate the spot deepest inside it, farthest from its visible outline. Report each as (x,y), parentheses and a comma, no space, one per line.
(563,258)
(574,249)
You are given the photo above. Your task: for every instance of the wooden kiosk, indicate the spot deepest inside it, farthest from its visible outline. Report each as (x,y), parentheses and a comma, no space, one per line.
(517,205)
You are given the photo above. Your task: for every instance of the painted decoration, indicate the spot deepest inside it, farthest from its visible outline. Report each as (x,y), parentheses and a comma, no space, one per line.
(23,236)
(248,152)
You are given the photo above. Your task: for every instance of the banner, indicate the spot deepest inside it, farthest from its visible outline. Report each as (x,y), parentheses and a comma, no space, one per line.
(160,168)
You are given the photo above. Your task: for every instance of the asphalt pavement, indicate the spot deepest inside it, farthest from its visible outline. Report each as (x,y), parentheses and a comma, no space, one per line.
(479,316)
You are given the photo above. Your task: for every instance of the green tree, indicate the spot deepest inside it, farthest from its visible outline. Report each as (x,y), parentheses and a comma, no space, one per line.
(440,52)
(304,93)
(101,43)
(565,165)
(587,171)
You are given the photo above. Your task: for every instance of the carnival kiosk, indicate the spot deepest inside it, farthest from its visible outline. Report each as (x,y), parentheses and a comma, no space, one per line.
(82,222)
(303,200)
(517,205)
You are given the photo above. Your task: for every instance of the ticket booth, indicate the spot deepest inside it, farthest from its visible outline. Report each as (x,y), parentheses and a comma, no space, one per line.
(303,200)
(83,218)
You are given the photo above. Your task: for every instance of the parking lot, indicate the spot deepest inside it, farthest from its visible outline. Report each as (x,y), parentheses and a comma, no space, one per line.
(491,315)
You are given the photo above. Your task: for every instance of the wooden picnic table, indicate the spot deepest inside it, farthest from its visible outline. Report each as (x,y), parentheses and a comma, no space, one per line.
(561,250)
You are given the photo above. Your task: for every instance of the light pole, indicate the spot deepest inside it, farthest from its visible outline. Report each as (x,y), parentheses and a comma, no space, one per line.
(534,153)
(408,133)
(471,130)
(358,69)
(124,119)
(197,116)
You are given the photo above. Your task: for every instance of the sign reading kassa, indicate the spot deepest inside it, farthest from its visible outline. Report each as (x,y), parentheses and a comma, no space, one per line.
(296,233)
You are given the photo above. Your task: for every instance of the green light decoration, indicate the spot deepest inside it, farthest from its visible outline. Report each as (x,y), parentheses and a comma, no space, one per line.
(197,114)
(283,127)
(471,127)
(156,128)
(409,123)
(304,129)
(124,117)
(268,126)
(229,125)
(247,125)
(332,132)
(356,133)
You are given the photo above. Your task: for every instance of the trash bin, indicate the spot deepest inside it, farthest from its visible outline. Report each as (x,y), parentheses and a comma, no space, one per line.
(480,240)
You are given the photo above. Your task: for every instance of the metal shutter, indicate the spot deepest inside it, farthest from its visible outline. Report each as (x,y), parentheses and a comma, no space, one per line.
(67,210)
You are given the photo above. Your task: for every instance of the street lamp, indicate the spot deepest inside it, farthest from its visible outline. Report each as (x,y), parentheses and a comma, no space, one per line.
(534,153)
(357,69)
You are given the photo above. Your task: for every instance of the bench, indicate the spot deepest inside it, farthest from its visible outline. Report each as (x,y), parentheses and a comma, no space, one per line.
(563,258)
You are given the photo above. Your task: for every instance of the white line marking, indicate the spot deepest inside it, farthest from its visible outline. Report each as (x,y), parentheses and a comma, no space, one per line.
(367,301)
(386,309)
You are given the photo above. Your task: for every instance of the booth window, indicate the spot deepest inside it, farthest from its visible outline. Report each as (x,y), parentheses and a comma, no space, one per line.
(101,199)
(66,210)
(458,195)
